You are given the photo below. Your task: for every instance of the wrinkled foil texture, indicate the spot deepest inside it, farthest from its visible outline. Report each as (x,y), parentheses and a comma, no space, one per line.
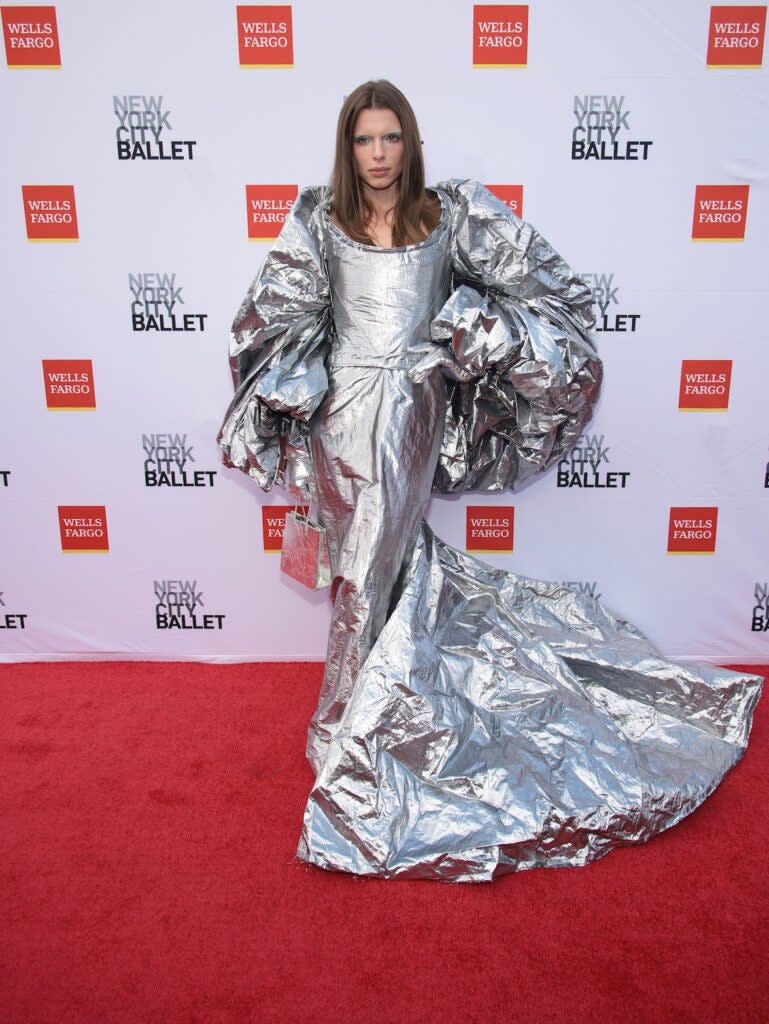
(502,723)
(468,722)
(521,374)
(304,554)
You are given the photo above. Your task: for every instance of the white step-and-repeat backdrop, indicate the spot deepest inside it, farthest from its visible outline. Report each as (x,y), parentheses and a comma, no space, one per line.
(152,148)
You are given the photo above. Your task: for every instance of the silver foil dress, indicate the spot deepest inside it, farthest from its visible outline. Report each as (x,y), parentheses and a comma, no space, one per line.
(470,722)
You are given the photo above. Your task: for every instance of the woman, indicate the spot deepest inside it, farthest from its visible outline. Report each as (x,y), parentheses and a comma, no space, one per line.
(399,340)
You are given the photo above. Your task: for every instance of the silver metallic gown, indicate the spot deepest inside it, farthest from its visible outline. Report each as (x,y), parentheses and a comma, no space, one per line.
(470,722)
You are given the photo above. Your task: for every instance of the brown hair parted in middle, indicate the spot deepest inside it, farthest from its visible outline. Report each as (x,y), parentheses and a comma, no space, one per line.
(416,213)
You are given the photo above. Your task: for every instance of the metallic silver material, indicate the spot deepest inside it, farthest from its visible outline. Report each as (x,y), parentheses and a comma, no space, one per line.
(468,722)
(304,552)
(501,724)
(277,352)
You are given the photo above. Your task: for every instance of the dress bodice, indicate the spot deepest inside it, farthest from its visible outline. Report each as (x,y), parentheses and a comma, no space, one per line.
(383,300)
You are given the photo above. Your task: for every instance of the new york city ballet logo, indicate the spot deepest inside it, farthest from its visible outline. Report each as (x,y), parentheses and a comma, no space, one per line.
(720,213)
(265,36)
(155,301)
(5,477)
(179,605)
(273,524)
(83,528)
(31,37)
(604,293)
(267,207)
(586,588)
(586,466)
(144,124)
(500,35)
(50,213)
(759,619)
(511,196)
(69,384)
(602,130)
(489,528)
(736,37)
(10,618)
(168,462)
(705,384)
(692,530)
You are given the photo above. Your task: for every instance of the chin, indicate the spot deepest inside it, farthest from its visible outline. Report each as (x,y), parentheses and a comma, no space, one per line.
(380,183)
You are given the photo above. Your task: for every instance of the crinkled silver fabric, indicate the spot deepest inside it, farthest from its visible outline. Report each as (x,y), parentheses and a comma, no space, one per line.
(468,722)
(375,441)
(278,348)
(304,553)
(521,375)
(502,724)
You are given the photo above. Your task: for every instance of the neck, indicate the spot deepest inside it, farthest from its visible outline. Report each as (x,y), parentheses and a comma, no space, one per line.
(381,200)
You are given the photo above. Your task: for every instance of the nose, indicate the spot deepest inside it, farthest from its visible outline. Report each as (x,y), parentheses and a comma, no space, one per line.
(378,149)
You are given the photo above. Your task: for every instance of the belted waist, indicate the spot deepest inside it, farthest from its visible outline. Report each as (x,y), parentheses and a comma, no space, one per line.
(399,361)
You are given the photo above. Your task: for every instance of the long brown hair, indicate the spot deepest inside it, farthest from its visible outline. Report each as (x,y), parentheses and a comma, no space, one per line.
(416,213)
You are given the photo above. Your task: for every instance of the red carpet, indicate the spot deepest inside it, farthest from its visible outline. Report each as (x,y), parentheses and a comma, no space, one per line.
(150,815)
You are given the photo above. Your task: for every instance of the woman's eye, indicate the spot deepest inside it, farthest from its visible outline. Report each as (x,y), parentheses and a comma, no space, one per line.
(393,137)
(361,140)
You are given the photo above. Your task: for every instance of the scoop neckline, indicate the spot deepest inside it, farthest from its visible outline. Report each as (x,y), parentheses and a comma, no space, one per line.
(428,240)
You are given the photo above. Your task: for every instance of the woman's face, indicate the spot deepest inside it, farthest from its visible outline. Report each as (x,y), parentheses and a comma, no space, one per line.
(377,147)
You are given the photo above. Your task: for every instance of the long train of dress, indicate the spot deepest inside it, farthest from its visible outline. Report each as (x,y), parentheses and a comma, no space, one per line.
(502,723)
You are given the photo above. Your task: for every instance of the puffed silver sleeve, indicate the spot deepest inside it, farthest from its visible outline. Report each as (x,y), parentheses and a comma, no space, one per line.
(277,350)
(524,371)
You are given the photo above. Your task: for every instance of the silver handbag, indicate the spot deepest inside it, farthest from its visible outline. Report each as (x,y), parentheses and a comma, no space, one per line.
(304,555)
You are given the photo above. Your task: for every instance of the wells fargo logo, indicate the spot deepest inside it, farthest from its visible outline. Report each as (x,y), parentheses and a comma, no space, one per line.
(83,528)
(511,196)
(500,35)
(265,36)
(489,527)
(31,37)
(50,213)
(705,384)
(692,531)
(720,213)
(267,206)
(736,37)
(69,384)
(273,523)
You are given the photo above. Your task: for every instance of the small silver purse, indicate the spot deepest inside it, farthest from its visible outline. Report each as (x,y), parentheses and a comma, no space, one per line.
(304,555)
